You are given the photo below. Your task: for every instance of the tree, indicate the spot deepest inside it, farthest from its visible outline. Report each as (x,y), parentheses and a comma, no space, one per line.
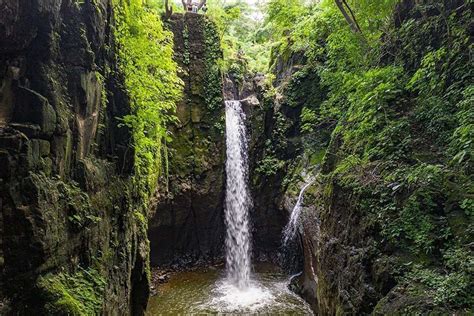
(168,10)
(351,20)
(185,4)
(282,15)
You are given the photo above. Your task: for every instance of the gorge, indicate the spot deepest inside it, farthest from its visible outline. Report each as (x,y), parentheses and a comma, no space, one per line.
(314,158)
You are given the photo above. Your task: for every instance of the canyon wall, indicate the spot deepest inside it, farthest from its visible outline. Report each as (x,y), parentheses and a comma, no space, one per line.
(387,226)
(73,230)
(188,223)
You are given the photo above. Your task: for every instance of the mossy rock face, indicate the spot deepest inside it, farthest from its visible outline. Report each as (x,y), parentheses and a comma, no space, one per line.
(280,151)
(70,243)
(77,294)
(188,222)
(32,107)
(395,239)
(390,228)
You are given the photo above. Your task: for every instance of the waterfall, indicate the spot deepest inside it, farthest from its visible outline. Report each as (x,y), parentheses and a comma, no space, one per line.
(238,292)
(237,202)
(290,229)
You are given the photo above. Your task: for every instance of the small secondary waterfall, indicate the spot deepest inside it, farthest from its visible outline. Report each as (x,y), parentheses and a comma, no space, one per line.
(291,228)
(238,201)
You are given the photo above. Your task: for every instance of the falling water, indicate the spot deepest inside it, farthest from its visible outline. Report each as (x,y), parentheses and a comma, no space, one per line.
(237,292)
(290,229)
(237,198)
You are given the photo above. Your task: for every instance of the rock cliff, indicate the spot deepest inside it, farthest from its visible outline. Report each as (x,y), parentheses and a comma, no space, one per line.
(188,221)
(386,228)
(72,229)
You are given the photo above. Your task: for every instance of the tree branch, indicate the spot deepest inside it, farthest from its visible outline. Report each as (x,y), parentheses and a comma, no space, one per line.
(353,16)
(352,22)
(168,11)
(201,4)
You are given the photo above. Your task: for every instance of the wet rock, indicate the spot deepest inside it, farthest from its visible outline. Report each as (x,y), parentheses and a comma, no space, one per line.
(187,224)
(251,101)
(30,130)
(230,89)
(31,107)
(66,193)
(87,111)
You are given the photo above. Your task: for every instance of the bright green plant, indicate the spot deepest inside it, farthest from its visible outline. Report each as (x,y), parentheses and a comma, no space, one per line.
(400,97)
(243,39)
(145,57)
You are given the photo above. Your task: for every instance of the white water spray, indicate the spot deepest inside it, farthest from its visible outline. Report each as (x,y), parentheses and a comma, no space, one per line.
(237,203)
(292,227)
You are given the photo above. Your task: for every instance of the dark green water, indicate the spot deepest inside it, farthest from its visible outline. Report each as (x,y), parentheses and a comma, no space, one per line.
(205,292)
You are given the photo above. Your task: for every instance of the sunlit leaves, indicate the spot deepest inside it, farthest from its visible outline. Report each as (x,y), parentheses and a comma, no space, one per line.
(146,59)
(243,39)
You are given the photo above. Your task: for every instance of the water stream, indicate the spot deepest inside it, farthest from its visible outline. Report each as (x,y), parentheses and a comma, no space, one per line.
(289,232)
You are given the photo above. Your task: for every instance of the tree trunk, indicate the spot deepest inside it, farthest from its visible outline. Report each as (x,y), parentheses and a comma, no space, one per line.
(352,15)
(350,19)
(168,10)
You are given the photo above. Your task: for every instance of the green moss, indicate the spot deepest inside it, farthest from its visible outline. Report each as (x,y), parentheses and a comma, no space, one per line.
(54,193)
(317,157)
(80,212)
(80,293)
(140,218)
(186,53)
(213,78)
(270,165)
